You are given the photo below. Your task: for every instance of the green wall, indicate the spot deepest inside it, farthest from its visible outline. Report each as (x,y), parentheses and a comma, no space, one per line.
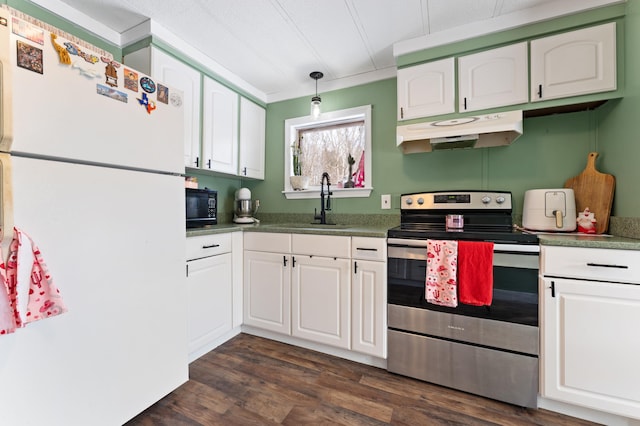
(551,150)
(618,132)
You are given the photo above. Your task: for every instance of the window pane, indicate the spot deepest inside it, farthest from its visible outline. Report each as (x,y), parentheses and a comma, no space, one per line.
(327,149)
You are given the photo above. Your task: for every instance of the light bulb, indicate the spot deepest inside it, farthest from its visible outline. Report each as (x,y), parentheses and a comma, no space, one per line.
(315,106)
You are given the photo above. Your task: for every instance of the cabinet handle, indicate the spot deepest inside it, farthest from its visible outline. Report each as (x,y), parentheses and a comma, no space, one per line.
(553,289)
(604,265)
(244,171)
(366,249)
(209,163)
(293,261)
(401,112)
(187,269)
(197,161)
(465,104)
(355,267)
(284,261)
(540,91)
(211,246)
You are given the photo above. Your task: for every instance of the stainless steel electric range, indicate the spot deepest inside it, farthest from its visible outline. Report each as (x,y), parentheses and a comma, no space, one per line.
(485,350)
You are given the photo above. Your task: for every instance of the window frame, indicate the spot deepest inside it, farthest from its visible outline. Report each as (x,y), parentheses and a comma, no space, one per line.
(291,127)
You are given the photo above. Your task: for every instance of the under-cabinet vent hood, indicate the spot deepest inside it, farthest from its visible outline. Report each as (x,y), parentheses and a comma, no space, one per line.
(480,131)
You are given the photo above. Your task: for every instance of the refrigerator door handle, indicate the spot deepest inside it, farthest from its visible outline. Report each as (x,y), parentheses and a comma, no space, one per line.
(6,199)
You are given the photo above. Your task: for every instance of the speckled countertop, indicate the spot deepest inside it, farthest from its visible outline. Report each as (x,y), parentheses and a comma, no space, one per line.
(377,226)
(591,241)
(346,224)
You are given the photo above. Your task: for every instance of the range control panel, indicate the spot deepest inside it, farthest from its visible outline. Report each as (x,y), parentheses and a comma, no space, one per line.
(457,200)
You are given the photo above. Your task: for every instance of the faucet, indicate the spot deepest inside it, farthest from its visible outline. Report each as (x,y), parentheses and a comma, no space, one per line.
(323,206)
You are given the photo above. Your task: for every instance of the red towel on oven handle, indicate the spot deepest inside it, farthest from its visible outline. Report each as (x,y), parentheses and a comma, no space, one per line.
(475,272)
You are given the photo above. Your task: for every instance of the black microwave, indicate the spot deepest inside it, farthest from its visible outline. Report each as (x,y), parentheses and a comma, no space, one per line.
(202,207)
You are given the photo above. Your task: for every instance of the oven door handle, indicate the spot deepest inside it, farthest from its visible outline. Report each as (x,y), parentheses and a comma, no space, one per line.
(497,247)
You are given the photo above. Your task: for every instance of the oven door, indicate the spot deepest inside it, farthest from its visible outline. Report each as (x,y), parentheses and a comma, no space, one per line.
(515,281)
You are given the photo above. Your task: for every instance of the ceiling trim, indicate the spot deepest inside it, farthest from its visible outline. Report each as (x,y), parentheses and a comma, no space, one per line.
(547,11)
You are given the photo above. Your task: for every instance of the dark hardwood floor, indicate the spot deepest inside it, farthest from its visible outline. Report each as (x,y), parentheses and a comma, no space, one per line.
(254,381)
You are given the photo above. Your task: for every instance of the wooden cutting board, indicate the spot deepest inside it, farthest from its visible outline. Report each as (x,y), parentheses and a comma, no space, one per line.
(594,190)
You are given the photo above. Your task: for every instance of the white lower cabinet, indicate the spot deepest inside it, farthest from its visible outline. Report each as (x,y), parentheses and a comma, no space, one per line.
(210,291)
(368,308)
(267,281)
(302,285)
(209,294)
(267,291)
(590,348)
(320,300)
(369,296)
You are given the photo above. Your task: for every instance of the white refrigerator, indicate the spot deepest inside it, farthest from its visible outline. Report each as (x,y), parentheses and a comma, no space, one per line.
(94,177)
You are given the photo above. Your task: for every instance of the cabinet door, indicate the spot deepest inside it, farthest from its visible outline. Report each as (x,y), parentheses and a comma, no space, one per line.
(574,63)
(493,78)
(219,127)
(209,289)
(369,308)
(177,74)
(426,90)
(252,139)
(320,300)
(591,349)
(267,291)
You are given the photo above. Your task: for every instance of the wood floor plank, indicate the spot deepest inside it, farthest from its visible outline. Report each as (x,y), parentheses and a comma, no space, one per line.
(255,381)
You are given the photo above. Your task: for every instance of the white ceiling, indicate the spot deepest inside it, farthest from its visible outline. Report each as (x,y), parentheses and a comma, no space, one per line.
(271,46)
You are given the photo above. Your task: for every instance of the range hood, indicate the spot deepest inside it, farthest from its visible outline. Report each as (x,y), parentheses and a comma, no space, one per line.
(481,131)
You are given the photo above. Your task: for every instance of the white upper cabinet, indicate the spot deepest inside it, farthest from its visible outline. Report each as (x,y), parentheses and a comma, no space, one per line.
(252,139)
(426,90)
(493,78)
(219,127)
(175,73)
(233,128)
(574,63)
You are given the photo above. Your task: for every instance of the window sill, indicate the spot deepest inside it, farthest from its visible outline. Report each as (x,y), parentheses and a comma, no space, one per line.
(335,193)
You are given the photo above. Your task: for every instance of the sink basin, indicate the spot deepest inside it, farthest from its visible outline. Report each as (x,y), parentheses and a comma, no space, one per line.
(309,226)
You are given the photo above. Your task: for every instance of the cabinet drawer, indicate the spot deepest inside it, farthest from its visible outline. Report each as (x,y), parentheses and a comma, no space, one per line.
(368,248)
(208,245)
(321,245)
(267,241)
(592,264)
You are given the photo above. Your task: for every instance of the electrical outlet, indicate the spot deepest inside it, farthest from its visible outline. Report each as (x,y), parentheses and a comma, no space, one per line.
(385,201)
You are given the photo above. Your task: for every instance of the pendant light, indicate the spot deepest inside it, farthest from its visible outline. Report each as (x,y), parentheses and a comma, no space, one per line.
(315,101)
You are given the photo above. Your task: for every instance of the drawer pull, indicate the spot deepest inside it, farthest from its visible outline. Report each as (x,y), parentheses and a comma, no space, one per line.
(211,246)
(604,265)
(366,249)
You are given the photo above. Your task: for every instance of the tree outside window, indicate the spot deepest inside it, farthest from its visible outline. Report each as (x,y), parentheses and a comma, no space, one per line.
(329,144)
(327,149)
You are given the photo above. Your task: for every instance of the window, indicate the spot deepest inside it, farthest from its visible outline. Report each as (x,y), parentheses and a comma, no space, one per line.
(329,144)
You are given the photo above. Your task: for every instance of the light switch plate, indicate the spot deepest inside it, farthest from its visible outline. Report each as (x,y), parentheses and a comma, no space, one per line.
(385,201)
